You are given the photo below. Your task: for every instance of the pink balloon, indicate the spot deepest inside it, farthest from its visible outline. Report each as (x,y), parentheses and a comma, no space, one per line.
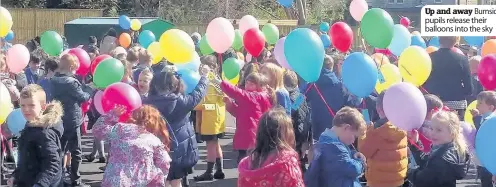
(248,58)
(97,101)
(17,58)
(279,53)
(457,50)
(246,23)
(358,9)
(396,98)
(383,51)
(84,60)
(220,34)
(64,53)
(405,22)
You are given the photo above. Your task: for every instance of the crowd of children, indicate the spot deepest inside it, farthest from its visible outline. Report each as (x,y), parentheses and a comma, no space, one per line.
(282,125)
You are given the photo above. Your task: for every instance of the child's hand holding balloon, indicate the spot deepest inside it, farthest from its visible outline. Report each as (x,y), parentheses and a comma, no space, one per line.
(475,112)
(119,110)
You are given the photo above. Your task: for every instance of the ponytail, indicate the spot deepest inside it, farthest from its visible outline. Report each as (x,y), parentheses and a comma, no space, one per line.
(460,145)
(272,95)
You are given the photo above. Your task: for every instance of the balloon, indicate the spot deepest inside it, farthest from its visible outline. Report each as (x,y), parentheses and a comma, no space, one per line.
(135,24)
(286,3)
(383,51)
(154,49)
(220,34)
(434,41)
(231,68)
(122,94)
(418,41)
(146,38)
(279,53)
(97,61)
(248,22)
(193,65)
(10,36)
(457,50)
(190,79)
(405,22)
(415,65)
(380,59)
(377,28)
(431,49)
(238,40)
(97,101)
(489,47)
(125,40)
(17,58)
(248,57)
(197,35)
(401,40)
(271,33)
(416,33)
(396,98)
(177,46)
(84,60)
(254,41)
(124,22)
(389,74)
(358,9)
(468,132)
(485,141)
(233,81)
(359,74)
(5,22)
(326,40)
(109,71)
(205,49)
(468,115)
(487,72)
(341,36)
(306,61)
(5,103)
(16,122)
(324,27)
(52,43)
(474,40)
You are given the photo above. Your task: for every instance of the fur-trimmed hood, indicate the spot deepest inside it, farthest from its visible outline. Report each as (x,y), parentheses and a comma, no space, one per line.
(52,116)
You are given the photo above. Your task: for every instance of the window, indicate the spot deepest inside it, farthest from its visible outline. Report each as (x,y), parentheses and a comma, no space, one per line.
(438,1)
(395,1)
(399,1)
(391,1)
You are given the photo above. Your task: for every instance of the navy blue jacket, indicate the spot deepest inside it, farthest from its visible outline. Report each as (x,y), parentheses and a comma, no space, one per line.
(176,110)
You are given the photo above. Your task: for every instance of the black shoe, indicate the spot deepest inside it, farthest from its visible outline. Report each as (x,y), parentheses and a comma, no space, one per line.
(89,158)
(103,168)
(102,160)
(219,175)
(198,139)
(204,177)
(80,184)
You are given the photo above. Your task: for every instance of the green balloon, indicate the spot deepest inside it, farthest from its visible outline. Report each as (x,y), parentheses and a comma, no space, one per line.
(52,43)
(238,40)
(107,72)
(377,28)
(205,48)
(271,33)
(231,68)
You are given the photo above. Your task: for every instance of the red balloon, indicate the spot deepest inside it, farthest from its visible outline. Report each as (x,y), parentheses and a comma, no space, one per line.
(97,61)
(487,72)
(121,94)
(387,52)
(457,50)
(254,41)
(492,37)
(84,60)
(341,36)
(405,22)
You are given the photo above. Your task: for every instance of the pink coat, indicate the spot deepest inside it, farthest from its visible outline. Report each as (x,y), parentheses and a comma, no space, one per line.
(248,108)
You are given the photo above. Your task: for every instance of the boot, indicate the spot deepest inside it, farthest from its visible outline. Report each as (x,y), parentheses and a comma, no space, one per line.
(207,176)
(219,174)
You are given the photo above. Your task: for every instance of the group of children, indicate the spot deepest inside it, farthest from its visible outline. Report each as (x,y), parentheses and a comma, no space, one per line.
(282,124)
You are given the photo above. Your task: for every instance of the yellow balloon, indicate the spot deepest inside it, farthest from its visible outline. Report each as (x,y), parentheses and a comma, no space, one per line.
(415,65)
(389,75)
(135,25)
(5,103)
(380,59)
(5,22)
(233,81)
(177,46)
(468,115)
(154,49)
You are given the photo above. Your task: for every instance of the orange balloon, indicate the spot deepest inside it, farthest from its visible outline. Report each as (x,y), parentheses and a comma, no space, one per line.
(431,49)
(380,59)
(125,40)
(489,47)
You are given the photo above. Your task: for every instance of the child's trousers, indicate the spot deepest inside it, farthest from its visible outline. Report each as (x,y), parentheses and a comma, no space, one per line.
(241,155)
(485,177)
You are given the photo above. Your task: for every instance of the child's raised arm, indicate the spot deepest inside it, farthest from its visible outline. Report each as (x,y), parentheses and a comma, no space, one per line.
(194,98)
(233,91)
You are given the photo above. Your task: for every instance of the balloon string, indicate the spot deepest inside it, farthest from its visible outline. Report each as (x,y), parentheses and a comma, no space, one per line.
(325,102)
(219,57)
(424,90)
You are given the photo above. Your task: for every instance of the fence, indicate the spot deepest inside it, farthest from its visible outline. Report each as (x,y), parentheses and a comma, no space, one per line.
(285,26)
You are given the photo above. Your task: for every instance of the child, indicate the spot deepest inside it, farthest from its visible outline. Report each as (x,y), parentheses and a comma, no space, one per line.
(334,164)
(247,70)
(167,95)
(255,100)
(133,56)
(39,147)
(476,85)
(211,123)
(128,72)
(93,52)
(275,76)
(69,91)
(142,139)
(51,65)
(143,86)
(385,147)
(145,62)
(273,162)
(33,71)
(448,158)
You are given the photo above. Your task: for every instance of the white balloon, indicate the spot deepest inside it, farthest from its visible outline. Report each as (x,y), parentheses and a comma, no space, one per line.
(247,22)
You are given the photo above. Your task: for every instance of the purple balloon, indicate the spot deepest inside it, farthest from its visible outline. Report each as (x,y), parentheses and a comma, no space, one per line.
(468,132)
(279,53)
(405,106)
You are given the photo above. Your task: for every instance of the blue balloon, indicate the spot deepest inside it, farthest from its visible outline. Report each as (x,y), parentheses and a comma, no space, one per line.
(359,74)
(476,41)
(16,122)
(190,79)
(485,143)
(326,40)
(286,3)
(434,41)
(324,27)
(146,38)
(305,52)
(10,36)
(401,39)
(125,22)
(418,41)
(193,65)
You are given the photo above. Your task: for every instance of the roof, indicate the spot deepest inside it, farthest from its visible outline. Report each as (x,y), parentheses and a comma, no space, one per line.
(108,20)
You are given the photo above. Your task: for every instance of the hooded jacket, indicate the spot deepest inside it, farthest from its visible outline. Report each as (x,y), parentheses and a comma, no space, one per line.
(40,153)
(301,120)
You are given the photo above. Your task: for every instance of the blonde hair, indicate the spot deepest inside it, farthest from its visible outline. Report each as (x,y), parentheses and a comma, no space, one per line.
(33,90)
(453,122)
(276,75)
(67,62)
